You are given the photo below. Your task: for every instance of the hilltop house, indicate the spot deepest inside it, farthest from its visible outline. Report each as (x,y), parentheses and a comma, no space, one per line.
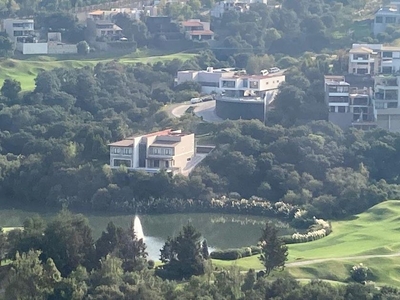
(169,150)
(197,30)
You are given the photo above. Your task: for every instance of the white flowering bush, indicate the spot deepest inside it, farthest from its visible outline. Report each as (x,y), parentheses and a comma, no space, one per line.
(359,273)
(318,230)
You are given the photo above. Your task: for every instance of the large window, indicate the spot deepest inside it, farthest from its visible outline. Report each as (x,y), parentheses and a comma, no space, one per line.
(341,109)
(379,20)
(387,70)
(390,20)
(210,84)
(360,56)
(392,105)
(122,162)
(387,54)
(228,83)
(245,83)
(254,84)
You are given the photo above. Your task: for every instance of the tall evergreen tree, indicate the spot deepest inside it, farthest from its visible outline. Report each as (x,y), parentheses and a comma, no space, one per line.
(274,250)
(183,255)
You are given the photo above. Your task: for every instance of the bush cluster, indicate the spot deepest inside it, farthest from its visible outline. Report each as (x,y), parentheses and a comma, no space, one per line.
(233,254)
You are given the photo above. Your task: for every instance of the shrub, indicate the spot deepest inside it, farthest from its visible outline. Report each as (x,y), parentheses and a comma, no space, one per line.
(229,254)
(255,250)
(359,273)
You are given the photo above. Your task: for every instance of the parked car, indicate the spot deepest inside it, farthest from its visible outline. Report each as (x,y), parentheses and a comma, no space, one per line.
(195,100)
(274,70)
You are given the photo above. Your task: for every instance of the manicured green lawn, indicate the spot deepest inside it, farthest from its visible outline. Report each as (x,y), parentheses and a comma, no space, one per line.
(374,232)
(25,70)
(384,271)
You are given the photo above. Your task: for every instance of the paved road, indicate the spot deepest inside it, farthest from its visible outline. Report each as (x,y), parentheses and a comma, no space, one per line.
(206,110)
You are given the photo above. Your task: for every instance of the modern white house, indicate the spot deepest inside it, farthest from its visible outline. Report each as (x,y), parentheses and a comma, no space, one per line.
(170,150)
(349,106)
(385,16)
(208,79)
(374,59)
(22,33)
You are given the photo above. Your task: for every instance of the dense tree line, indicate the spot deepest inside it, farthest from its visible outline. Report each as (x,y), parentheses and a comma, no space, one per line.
(54,145)
(61,260)
(296,27)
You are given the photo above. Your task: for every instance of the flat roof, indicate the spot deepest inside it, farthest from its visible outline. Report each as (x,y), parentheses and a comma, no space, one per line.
(390,48)
(164,143)
(123,143)
(361,50)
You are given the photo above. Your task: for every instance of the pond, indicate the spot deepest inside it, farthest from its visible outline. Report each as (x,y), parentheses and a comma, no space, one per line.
(221,231)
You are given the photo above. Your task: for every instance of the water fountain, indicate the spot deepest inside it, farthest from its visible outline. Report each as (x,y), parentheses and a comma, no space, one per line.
(137,227)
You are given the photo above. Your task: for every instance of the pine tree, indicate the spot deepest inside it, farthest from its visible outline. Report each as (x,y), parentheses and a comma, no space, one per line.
(274,250)
(204,249)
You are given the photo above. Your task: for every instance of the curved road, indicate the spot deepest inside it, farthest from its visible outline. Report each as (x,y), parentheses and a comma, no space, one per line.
(206,110)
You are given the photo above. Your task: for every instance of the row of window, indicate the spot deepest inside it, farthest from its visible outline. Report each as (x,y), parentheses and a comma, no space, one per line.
(122,151)
(160,151)
(246,84)
(388,20)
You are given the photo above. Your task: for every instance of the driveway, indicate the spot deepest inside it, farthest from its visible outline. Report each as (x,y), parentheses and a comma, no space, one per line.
(205,110)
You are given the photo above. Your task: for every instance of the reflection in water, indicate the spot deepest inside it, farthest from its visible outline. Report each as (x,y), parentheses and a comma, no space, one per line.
(221,231)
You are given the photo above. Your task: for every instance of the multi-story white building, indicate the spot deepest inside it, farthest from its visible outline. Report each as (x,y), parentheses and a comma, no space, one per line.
(349,106)
(247,96)
(374,59)
(19,30)
(385,16)
(170,150)
(208,79)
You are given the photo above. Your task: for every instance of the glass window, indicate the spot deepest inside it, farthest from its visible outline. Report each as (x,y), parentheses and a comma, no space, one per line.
(245,83)
(392,105)
(332,109)
(390,20)
(378,19)
(254,84)
(168,151)
(122,162)
(387,70)
(387,54)
(341,109)
(228,83)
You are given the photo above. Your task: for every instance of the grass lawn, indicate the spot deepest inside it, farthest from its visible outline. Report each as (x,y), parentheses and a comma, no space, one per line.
(384,271)
(374,232)
(25,70)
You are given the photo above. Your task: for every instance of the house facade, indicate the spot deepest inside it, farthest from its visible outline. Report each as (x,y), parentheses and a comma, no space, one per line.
(169,150)
(208,79)
(27,40)
(196,30)
(386,15)
(349,106)
(374,59)
(247,96)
